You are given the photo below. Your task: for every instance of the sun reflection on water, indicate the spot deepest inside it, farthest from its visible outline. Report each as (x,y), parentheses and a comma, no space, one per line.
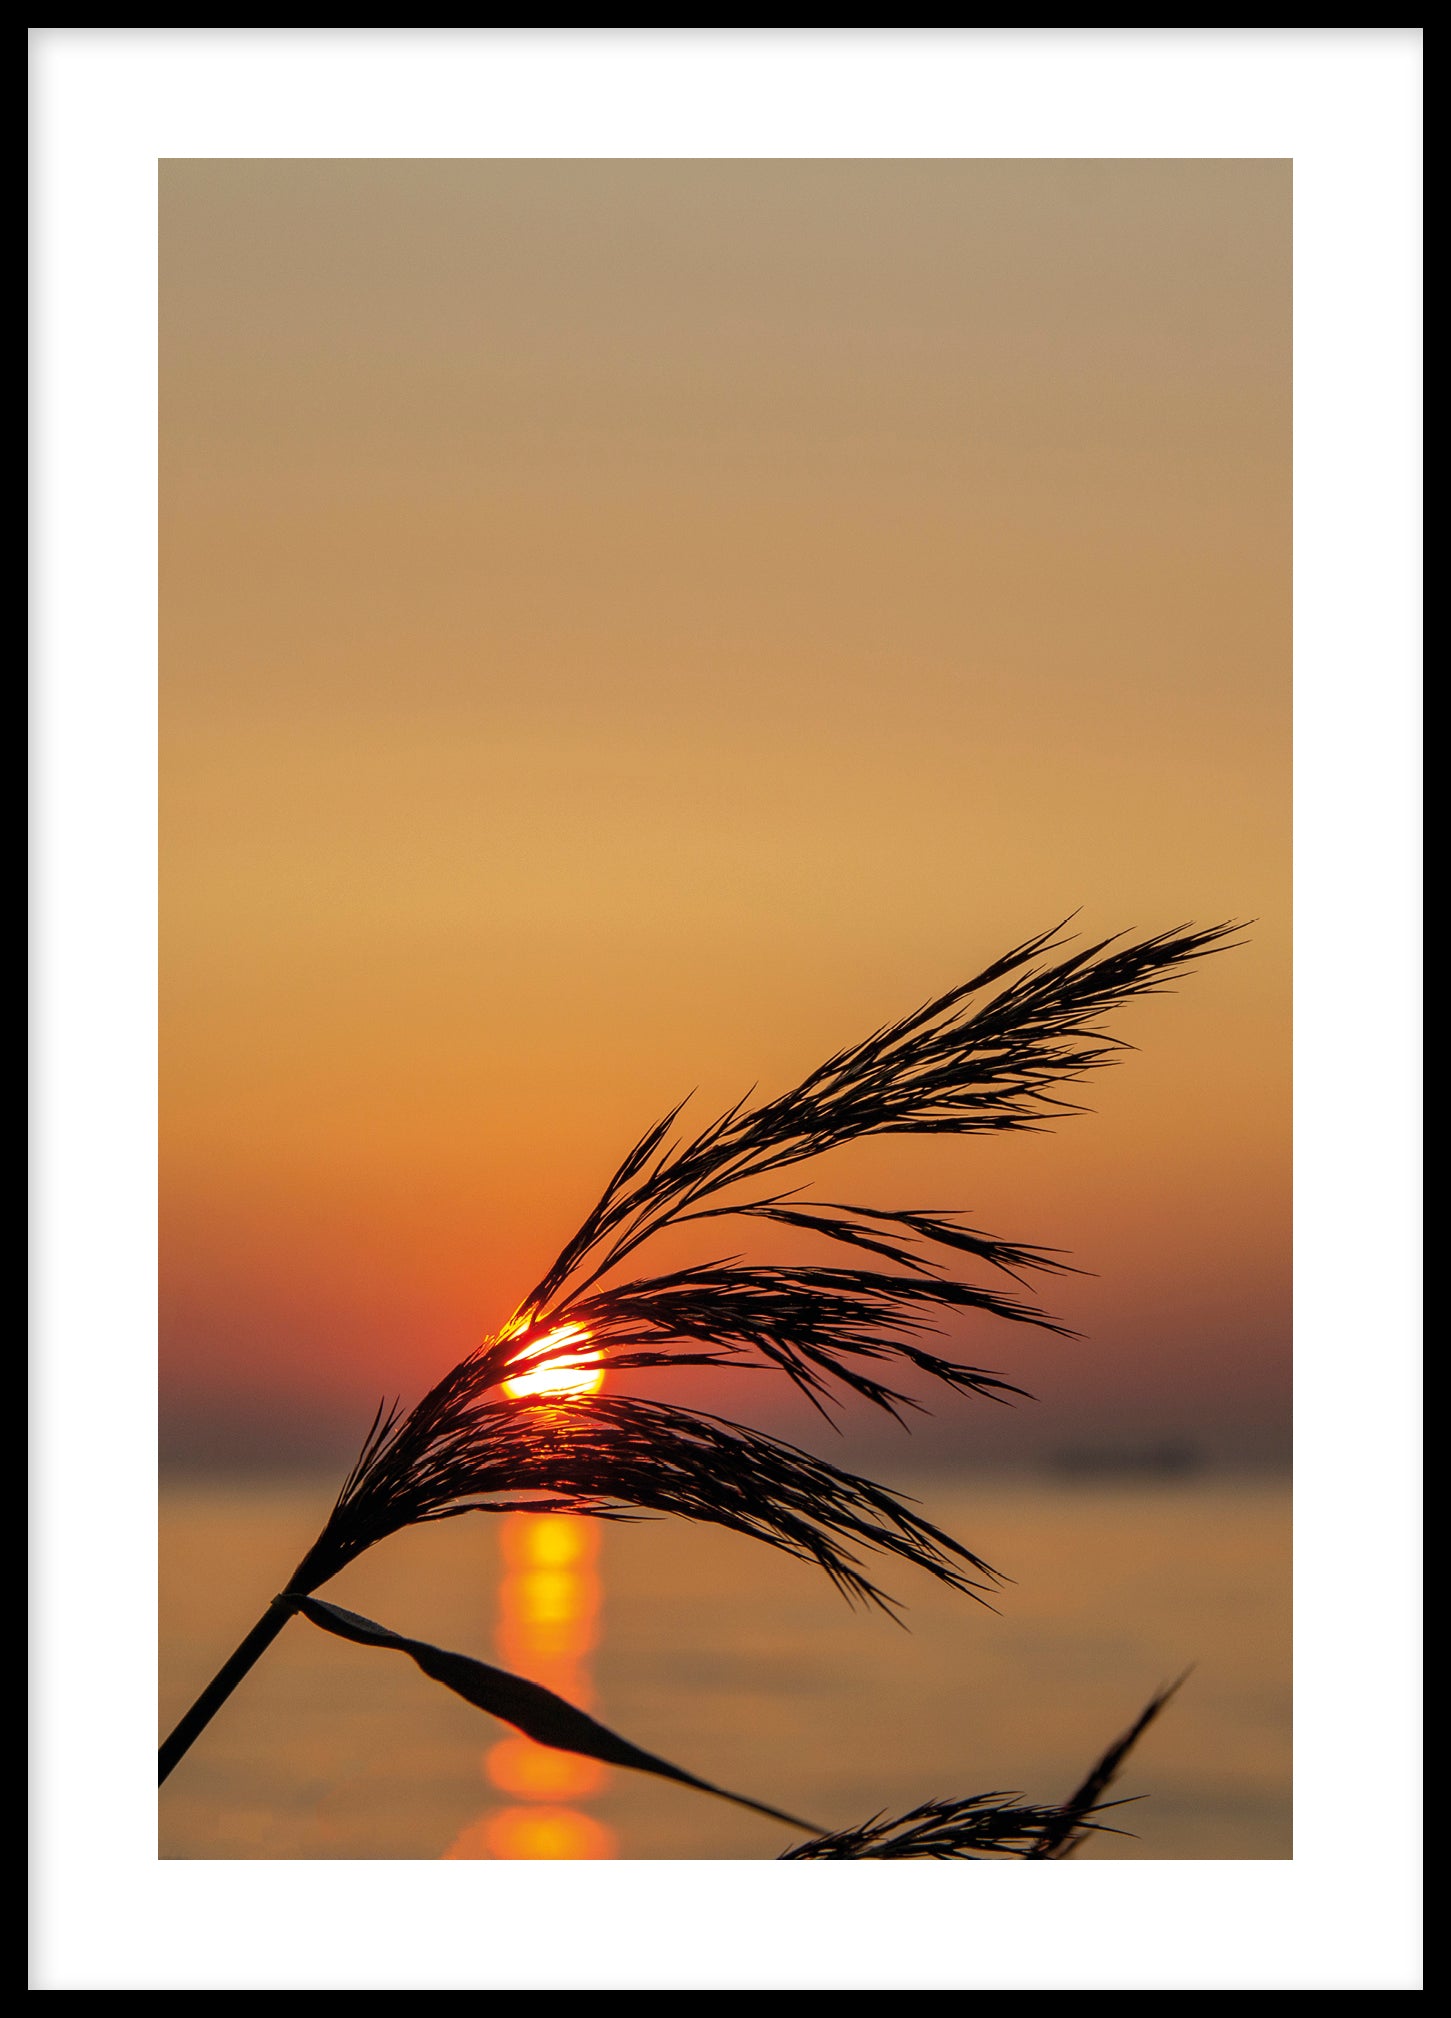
(517,1834)
(549,1607)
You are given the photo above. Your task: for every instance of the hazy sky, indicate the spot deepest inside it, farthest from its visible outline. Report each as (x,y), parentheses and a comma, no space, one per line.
(629,626)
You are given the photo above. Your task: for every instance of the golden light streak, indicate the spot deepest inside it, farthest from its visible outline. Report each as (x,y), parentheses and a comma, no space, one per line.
(549,1541)
(558,1833)
(549,1605)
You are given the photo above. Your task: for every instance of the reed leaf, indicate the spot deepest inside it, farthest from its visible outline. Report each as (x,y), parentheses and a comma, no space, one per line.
(536,1711)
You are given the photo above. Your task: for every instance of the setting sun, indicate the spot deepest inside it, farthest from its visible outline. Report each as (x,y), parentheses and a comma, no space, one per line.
(579,1373)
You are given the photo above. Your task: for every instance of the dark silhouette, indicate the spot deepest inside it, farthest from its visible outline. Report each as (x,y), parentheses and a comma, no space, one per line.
(993,1054)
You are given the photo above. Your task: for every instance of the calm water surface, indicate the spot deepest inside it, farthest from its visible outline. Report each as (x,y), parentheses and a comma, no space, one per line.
(744,1668)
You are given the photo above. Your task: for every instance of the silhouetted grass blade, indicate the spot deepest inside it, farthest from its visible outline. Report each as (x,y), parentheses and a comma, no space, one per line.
(976,1827)
(1101,1778)
(990,1825)
(534,1710)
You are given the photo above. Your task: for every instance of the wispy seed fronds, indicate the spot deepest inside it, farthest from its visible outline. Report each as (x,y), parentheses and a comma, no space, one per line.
(979,1826)
(615,1457)
(991,1825)
(992,1054)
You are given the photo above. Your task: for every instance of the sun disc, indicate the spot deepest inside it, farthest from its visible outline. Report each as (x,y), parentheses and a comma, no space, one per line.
(567,1378)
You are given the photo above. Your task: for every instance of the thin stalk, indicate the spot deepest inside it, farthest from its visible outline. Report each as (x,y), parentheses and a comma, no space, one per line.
(221,1686)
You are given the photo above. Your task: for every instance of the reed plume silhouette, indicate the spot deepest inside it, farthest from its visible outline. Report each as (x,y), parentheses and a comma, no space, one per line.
(994,1054)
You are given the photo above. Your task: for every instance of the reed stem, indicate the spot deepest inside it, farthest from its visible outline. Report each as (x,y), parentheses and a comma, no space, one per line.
(220,1687)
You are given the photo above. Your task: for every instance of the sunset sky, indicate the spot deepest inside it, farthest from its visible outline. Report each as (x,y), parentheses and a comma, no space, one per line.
(630,627)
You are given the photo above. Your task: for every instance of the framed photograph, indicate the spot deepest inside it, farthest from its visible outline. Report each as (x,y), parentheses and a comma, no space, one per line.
(666,825)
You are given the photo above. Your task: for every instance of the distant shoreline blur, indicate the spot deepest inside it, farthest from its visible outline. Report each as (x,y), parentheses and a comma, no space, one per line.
(921,1470)
(1160,1461)
(1038,1440)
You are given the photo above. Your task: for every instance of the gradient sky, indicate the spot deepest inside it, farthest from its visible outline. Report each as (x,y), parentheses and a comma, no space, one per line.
(629,626)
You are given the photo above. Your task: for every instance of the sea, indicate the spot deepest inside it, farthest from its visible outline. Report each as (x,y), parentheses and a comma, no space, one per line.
(744,1668)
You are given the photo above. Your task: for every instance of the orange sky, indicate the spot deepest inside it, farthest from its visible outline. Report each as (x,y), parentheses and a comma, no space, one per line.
(636,625)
